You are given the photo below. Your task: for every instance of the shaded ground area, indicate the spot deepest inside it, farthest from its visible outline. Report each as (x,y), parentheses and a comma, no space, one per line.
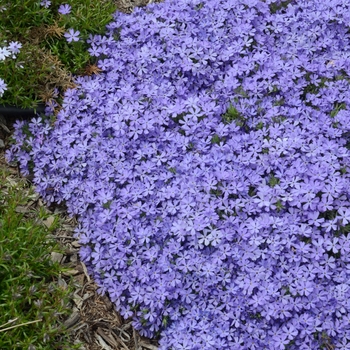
(93,321)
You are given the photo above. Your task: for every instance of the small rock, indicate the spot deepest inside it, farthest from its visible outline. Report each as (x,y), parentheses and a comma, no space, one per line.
(62,283)
(79,279)
(78,301)
(76,244)
(2,144)
(21,209)
(70,273)
(56,257)
(74,257)
(49,221)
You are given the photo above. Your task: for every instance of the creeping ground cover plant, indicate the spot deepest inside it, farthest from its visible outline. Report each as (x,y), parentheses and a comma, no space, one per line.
(209,167)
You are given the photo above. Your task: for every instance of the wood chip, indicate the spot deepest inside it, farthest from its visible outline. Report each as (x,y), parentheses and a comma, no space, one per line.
(70,252)
(88,295)
(136,339)
(74,257)
(85,271)
(107,338)
(107,302)
(104,345)
(3,126)
(72,320)
(78,300)
(148,346)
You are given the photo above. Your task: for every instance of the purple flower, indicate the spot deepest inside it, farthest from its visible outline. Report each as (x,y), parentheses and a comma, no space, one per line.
(64,9)
(4,52)
(3,87)
(45,3)
(14,47)
(72,35)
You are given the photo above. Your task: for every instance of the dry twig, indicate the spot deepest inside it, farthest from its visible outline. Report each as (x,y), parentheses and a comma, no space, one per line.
(19,325)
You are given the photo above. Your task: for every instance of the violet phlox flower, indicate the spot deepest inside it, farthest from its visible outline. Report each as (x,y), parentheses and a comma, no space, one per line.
(45,3)
(64,9)
(72,35)
(14,47)
(4,53)
(3,87)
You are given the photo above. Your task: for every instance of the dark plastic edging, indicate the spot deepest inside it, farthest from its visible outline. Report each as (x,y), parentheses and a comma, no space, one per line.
(13,111)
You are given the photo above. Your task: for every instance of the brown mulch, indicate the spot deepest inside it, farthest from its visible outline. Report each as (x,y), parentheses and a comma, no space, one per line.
(94,321)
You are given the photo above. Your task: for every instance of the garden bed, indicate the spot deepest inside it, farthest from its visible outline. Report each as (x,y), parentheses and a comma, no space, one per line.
(207,166)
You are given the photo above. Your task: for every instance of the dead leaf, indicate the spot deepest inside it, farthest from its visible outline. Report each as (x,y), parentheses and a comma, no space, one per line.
(54,30)
(92,69)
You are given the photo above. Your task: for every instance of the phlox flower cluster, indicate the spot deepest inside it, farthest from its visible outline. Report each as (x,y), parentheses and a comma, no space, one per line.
(9,50)
(209,168)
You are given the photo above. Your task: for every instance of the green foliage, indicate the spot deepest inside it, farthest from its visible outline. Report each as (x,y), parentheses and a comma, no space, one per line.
(29,291)
(87,16)
(279,206)
(259,126)
(252,191)
(28,75)
(279,102)
(165,321)
(107,205)
(273,181)
(46,60)
(279,5)
(337,107)
(232,115)
(279,119)
(215,139)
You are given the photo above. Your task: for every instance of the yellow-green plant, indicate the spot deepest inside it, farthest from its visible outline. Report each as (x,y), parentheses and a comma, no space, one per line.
(47,61)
